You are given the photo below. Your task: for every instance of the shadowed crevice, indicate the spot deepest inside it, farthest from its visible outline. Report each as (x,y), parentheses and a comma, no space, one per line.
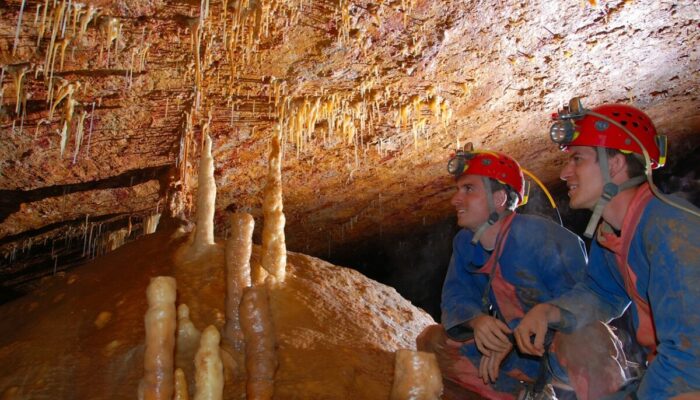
(10,200)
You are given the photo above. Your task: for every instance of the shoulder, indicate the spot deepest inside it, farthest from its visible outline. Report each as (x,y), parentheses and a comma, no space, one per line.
(660,220)
(542,229)
(463,250)
(463,240)
(658,208)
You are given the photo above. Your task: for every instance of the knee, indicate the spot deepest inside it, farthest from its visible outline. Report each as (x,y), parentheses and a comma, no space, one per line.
(596,337)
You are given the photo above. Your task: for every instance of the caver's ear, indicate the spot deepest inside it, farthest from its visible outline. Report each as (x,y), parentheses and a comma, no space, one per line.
(499,198)
(617,164)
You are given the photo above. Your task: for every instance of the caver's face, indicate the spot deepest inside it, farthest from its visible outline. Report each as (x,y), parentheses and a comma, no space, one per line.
(470,202)
(583,177)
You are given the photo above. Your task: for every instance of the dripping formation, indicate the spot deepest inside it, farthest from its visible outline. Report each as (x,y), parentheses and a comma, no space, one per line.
(241,31)
(215,357)
(365,100)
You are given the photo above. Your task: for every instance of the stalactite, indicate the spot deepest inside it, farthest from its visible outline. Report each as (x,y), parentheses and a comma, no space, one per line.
(78,10)
(111,29)
(274,258)
(143,56)
(84,21)
(150,223)
(66,17)
(209,375)
(65,90)
(259,334)
(17,71)
(92,120)
(238,275)
(42,25)
(2,87)
(19,25)
(51,50)
(416,376)
(345,25)
(203,11)
(68,109)
(158,382)
(79,133)
(116,239)
(63,45)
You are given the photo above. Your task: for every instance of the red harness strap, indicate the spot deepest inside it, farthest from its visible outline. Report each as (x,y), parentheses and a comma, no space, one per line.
(646,334)
(508,302)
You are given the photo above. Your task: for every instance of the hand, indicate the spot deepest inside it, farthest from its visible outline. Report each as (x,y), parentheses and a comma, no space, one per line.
(490,365)
(535,322)
(490,334)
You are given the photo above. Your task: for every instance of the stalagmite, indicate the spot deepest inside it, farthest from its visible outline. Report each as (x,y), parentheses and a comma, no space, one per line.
(274,257)
(181,392)
(209,377)
(238,250)
(157,383)
(259,334)
(206,197)
(416,376)
(187,339)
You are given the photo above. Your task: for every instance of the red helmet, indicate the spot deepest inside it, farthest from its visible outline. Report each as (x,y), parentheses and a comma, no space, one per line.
(592,130)
(490,164)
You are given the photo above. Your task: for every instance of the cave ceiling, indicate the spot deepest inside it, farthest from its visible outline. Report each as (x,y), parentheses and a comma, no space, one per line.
(105,104)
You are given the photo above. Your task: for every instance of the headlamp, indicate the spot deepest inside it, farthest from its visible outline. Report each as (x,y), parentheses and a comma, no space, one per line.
(563,130)
(456,164)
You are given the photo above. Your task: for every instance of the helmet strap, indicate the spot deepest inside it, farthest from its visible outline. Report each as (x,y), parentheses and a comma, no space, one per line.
(610,190)
(493,215)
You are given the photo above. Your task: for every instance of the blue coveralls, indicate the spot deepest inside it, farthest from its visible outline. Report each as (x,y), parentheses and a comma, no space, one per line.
(539,262)
(660,279)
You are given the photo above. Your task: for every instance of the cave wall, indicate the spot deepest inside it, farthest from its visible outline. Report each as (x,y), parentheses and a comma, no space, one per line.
(104,128)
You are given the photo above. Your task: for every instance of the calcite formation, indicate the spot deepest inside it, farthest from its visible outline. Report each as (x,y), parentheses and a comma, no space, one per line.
(286,337)
(336,331)
(369,98)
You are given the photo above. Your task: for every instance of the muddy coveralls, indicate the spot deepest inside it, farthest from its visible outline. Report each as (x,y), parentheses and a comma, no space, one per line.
(654,266)
(538,262)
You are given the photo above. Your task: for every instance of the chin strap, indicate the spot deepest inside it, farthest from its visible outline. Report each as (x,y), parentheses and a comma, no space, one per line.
(493,215)
(610,190)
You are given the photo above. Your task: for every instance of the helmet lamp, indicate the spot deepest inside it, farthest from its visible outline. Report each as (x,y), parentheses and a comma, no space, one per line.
(562,132)
(456,164)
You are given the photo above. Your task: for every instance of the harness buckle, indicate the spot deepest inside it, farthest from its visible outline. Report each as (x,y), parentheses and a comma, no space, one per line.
(610,190)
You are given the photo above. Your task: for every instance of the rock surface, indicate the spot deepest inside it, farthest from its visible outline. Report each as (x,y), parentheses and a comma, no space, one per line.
(81,336)
(370,96)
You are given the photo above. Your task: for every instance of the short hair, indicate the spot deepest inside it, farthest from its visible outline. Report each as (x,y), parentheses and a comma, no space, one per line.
(511,194)
(635,165)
